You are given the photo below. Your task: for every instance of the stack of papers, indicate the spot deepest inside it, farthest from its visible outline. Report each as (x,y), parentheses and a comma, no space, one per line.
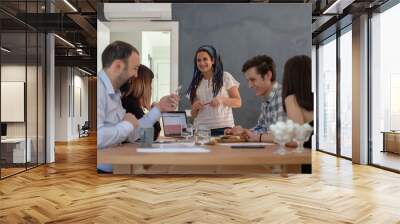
(173,150)
(246,144)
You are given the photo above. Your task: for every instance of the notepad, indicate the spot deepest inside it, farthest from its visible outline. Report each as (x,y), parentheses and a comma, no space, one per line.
(173,150)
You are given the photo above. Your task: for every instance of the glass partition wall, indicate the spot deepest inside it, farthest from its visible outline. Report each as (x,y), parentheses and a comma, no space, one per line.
(327,95)
(345,62)
(334,94)
(385,89)
(22,77)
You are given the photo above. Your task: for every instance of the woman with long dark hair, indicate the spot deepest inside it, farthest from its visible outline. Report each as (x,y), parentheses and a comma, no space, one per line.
(136,95)
(297,93)
(213,92)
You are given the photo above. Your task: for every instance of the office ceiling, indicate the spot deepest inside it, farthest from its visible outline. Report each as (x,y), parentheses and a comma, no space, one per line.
(204,1)
(326,21)
(75,23)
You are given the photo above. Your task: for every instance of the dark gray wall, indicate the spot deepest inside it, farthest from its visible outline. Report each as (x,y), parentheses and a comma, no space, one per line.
(239,32)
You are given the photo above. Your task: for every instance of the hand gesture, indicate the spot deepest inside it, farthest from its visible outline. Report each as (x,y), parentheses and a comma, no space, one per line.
(217,101)
(237,130)
(131,119)
(251,136)
(168,103)
(197,106)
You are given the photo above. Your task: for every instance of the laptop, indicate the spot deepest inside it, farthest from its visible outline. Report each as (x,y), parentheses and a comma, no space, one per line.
(3,131)
(173,123)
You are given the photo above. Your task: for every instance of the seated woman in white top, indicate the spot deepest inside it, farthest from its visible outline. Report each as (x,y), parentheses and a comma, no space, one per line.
(213,92)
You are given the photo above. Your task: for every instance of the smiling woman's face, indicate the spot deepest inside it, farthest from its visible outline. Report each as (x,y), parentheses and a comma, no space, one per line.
(204,62)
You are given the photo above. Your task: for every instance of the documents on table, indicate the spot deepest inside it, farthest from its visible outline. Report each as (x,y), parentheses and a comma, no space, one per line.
(255,144)
(173,148)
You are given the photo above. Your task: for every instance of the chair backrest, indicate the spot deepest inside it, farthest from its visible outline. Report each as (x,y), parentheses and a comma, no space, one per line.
(86,125)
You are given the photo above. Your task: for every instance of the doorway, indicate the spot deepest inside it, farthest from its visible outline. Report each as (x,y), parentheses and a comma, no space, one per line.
(156,41)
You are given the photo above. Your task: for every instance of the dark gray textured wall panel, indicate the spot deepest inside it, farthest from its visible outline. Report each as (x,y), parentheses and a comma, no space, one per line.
(240,31)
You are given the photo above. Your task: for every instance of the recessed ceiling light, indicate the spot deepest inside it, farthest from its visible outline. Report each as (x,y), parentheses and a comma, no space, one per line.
(337,7)
(86,72)
(5,50)
(64,40)
(70,5)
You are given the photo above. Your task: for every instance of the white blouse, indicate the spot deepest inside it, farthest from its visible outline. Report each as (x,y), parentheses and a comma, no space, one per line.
(215,117)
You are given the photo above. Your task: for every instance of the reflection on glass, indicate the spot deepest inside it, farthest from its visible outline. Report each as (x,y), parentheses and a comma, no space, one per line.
(14,146)
(327,97)
(31,100)
(385,84)
(346,94)
(22,98)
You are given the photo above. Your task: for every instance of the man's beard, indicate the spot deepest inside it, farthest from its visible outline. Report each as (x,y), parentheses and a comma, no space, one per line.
(123,77)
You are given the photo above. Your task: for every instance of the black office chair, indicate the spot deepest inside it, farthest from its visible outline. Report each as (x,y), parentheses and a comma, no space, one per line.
(84,130)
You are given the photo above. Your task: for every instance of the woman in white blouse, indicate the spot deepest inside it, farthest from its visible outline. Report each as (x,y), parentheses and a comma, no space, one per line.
(213,92)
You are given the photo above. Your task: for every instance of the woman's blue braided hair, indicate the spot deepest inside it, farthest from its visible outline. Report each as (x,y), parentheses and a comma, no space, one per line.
(218,68)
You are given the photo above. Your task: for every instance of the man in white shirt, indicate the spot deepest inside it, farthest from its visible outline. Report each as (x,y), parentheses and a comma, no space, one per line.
(120,62)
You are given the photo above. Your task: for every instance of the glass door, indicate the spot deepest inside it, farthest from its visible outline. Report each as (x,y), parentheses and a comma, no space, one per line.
(327,96)
(346,92)
(385,89)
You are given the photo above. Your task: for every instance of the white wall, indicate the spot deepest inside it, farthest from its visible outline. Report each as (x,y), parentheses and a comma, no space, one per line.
(132,37)
(103,39)
(68,83)
(61,103)
(161,52)
(146,50)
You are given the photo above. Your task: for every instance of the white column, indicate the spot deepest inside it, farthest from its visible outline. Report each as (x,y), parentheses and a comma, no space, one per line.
(50,101)
(50,92)
(360,90)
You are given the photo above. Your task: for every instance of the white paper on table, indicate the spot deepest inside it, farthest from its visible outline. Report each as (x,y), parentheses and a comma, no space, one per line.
(173,150)
(174,145)
(246,144)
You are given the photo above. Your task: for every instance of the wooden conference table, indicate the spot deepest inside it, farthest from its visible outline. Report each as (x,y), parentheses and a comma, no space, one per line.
(221,159)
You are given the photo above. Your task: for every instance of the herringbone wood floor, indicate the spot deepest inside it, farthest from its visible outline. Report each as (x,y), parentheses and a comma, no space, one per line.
(70,191)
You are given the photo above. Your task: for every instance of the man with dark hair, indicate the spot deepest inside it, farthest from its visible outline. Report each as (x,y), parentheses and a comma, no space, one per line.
(121,62)
(261,77)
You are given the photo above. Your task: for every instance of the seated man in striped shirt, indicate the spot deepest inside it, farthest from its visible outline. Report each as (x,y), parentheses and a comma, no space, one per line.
(260,74)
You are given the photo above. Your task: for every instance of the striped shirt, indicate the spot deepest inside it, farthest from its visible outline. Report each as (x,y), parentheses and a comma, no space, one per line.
(215,117)
(271,110)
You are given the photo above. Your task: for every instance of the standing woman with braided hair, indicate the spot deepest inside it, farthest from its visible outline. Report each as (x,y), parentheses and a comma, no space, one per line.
(213,92)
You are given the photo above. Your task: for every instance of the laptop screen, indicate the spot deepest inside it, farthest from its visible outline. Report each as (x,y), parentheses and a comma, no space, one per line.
(173,122)
(3,129)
